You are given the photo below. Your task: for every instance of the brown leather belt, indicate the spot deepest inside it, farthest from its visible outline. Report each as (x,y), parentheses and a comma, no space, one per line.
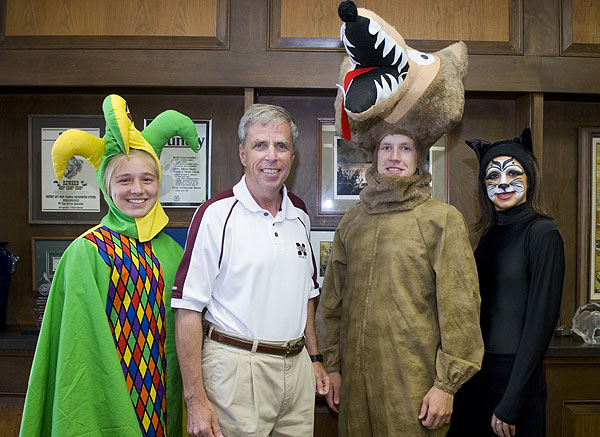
(290,350)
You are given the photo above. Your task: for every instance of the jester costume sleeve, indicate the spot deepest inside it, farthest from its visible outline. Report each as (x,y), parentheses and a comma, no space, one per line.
(105,362)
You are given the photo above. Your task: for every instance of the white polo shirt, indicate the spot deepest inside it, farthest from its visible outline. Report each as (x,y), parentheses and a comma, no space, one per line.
(253,272)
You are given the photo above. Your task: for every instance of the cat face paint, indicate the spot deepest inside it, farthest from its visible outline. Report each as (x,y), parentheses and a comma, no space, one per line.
(506,182)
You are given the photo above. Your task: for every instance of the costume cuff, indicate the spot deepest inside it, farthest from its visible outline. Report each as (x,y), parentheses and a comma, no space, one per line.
(331,359)
(444,386)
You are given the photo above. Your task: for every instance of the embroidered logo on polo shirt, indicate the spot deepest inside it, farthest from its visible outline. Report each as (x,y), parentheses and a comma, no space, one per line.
(301,248)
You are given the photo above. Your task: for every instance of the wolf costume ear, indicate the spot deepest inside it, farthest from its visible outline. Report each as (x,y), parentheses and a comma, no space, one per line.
(388,87)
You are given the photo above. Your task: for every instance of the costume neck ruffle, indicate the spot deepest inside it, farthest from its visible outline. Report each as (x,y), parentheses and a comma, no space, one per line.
(142,228)
(385,193)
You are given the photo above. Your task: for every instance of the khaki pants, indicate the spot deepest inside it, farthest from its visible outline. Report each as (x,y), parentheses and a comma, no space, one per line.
(257,394)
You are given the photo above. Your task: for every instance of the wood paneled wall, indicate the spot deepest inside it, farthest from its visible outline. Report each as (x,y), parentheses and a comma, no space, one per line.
(487,116)
(544,44)
(111,18)
(530,62)
(224,108)
(469,20)
(585,19)
(562,119)
(487,26)
(110,24)
(59,74)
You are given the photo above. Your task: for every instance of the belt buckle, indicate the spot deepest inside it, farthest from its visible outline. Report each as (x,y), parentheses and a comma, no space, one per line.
(294,347)
(288,349)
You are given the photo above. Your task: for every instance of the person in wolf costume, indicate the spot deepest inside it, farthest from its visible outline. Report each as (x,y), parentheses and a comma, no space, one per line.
(400,301)
(105,362)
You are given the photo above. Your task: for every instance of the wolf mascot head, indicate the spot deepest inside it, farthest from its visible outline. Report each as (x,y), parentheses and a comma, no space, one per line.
(390,88)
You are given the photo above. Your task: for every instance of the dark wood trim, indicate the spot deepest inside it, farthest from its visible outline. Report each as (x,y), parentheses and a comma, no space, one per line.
(571,360)
(567,46)
(579,49)
(584,206)
(515,23)
(223,30)
(241,69)
(276,42)
(530,112)
(218,42)
(113,42)
(541,27)
(249,97)
(566,25)
(537,127)
(569,74)
(2,21)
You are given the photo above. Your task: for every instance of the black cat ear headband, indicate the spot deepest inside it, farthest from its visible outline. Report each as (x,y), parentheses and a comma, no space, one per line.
(520,148)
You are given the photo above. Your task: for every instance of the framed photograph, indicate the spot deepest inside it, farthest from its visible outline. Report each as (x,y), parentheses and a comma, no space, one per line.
(341,171)
(321,241)
(45,255)
(588,244)
(185,174)
(77,197)
(350,172)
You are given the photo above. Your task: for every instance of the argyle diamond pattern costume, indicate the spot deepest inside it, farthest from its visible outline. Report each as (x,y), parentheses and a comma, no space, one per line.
(136,313)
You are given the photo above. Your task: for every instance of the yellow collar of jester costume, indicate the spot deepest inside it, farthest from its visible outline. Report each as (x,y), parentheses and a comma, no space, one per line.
(121,136)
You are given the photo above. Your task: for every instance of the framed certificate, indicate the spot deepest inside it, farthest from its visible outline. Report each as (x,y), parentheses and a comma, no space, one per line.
(77,197)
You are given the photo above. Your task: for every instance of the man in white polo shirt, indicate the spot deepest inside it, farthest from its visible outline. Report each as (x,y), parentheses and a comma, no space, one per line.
(248,264)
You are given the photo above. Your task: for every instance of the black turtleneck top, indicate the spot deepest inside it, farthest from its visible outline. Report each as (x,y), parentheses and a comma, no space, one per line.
(520,262)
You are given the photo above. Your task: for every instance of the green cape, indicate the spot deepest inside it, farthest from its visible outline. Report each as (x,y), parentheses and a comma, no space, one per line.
(76,386)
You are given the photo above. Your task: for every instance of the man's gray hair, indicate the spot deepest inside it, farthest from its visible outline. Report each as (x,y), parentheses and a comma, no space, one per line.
(263,114)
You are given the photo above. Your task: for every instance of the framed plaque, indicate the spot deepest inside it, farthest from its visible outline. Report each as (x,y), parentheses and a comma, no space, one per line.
(77,197)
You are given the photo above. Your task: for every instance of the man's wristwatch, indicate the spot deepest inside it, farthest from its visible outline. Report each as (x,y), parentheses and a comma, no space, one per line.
(316,358)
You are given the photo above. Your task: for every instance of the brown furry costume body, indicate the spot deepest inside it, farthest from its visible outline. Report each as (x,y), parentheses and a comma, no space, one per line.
(404,315)
(400,299)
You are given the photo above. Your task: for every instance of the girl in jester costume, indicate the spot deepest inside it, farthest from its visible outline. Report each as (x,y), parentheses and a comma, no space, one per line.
(105,362)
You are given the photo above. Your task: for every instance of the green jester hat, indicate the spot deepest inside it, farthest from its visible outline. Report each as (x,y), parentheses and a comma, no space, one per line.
(121,136)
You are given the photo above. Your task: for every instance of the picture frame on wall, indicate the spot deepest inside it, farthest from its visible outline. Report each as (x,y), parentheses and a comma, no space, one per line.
(321,241)
(350,170)
(588,244)
(46,253)
(341,171)
(77,197)
(185,181)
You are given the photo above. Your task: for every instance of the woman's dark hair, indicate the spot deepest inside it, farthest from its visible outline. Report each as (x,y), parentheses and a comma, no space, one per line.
(535,199)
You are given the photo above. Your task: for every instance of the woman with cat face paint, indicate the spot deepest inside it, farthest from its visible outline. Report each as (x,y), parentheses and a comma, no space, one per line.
(520,262)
